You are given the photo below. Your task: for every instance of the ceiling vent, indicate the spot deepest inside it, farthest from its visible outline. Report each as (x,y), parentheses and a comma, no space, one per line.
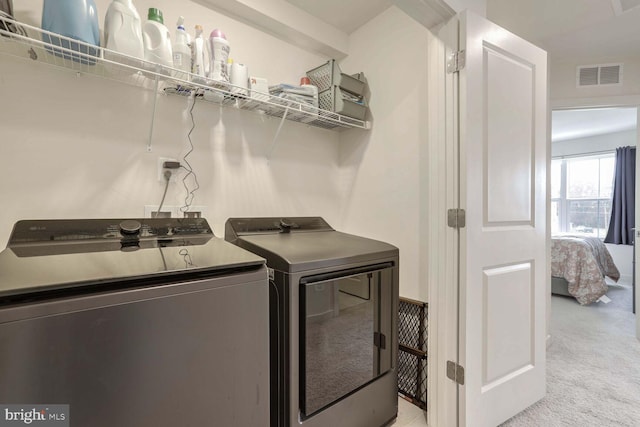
(599,75)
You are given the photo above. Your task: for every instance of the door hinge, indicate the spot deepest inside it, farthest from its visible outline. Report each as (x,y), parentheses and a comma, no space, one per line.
(456,218)
(455,372)
(456,61)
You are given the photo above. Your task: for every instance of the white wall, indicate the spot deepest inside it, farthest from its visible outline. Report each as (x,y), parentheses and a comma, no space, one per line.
(595,143)
(76,146)
(623,258)
(563,79)
(382,168)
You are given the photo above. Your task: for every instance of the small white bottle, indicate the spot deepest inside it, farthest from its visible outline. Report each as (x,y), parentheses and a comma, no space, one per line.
(199,58)
(239,77)
(219,53)
(157,41)
(123,32)
(181,49)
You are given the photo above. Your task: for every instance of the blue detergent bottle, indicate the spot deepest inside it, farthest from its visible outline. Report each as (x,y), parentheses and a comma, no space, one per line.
(75,19)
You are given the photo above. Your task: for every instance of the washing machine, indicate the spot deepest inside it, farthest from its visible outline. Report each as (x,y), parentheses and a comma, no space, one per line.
(333,325)
(133,322)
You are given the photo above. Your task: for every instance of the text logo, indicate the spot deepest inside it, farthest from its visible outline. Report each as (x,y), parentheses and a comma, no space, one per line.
(34,415)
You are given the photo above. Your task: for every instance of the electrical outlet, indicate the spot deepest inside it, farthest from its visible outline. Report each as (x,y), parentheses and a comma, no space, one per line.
(166,212)
(162,169)
(195,212)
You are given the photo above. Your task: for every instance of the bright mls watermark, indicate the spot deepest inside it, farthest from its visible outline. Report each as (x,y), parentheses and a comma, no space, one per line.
(34,415)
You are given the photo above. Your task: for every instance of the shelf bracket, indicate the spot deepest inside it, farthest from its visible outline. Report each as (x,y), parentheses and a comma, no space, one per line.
(153,114)
(275,137)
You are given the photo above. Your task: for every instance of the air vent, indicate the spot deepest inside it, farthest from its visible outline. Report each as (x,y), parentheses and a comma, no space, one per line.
(599,75)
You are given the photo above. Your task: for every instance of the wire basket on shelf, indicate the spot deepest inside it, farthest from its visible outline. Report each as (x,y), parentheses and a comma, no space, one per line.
(329,74)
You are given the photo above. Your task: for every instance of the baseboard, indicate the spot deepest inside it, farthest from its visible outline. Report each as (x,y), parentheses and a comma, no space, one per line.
(626,278)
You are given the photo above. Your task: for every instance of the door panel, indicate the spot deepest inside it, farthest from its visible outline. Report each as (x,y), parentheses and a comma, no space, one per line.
(507,326)
(509,138)
(503,263)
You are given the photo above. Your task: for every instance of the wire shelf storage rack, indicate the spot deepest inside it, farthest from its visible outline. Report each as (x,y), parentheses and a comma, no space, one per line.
(28,42)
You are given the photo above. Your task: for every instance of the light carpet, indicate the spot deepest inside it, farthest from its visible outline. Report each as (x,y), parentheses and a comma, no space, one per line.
(593,366)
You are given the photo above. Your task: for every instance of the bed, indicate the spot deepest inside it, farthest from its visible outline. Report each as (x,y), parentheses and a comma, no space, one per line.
(579,266)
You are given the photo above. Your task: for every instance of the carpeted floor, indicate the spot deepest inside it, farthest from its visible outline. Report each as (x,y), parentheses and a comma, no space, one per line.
(593,366)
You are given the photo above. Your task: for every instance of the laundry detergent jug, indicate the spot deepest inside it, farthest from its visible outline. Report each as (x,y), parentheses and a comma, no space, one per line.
(75,20)
(123,33)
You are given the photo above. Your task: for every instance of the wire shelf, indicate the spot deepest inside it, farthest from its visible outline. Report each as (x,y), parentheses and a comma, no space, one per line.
(36,44)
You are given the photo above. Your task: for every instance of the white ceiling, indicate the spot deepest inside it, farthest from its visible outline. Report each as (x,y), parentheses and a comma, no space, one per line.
(573,28)
(572,124)
(564,28)
(345,15)
(576,29)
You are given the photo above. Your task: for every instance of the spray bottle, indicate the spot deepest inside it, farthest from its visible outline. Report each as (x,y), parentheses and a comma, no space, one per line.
(181,49)
(199,58)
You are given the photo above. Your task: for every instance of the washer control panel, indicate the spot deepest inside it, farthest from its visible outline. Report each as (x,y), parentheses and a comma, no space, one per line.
(67,235)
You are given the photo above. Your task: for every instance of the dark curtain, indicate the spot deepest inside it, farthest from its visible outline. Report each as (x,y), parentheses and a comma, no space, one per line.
(624,198)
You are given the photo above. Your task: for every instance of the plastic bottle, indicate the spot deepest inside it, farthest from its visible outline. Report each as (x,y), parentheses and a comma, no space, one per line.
(219,52)
(181,49)
(199,57)
(305,82)
(239,78)
(157,40)
(123,31)
(75,19)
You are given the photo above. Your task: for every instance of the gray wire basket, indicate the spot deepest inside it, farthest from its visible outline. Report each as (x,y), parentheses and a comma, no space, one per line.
(334,100)
(328,75)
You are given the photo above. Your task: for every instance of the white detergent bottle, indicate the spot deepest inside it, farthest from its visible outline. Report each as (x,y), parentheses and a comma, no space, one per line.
(123,32)
(220,48)
(157,41)
(199,58)
(181,49)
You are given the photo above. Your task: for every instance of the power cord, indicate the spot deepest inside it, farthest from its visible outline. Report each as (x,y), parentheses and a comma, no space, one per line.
(188,200)
(167,178)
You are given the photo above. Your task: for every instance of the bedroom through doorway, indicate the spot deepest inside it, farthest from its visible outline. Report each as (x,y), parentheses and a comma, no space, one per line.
(583,165)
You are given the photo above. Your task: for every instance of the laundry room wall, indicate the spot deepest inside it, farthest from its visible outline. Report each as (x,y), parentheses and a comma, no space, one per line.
(75,145)
(385,169)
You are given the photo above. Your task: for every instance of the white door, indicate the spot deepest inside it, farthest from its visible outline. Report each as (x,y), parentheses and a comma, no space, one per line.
(503,153)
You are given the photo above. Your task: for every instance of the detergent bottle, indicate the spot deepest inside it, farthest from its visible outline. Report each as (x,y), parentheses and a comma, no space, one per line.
(123,31)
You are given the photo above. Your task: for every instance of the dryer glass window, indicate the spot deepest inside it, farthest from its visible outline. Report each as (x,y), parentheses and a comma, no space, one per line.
(342,342)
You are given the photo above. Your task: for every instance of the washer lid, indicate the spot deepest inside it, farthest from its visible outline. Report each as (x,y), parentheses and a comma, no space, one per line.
(32,265)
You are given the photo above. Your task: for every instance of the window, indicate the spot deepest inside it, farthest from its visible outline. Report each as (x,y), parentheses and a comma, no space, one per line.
(581,191)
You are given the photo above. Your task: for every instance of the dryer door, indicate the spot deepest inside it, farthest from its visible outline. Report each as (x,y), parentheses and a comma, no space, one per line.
(345,333)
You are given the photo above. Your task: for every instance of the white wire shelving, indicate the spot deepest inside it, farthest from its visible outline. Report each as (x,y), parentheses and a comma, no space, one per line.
(33,43)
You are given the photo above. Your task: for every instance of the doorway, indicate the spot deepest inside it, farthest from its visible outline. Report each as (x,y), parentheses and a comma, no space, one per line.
(583,149)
